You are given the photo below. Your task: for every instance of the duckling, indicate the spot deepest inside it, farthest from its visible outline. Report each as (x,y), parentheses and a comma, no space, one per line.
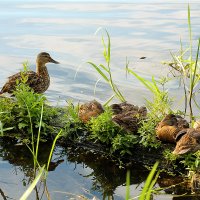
(39,81)
(128,116)
(168,128)
(89,110)
(188,140)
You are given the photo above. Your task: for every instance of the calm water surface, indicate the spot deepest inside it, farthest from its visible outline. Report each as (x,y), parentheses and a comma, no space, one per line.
(66,30)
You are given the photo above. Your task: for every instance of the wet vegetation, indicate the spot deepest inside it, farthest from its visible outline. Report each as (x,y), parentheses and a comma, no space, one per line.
(27,118)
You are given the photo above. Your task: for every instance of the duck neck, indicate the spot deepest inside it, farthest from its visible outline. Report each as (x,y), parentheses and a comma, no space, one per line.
(41,70)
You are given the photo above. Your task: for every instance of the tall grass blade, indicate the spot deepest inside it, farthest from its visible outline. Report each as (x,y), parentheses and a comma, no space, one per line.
(147,187)
(192,79)
(145,82)
(127,185)
(105,71)
(149,192)
(33,184)
(39,131)
(190,31)
(109,100)
(95,86)
(52,148)
(99,71)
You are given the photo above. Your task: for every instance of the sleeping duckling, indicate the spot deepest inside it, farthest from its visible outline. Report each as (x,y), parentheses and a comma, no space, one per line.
(89,110)
(128,116)
(169,127)
(188,140)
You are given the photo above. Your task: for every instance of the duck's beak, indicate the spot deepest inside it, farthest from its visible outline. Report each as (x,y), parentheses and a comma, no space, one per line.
(53,61)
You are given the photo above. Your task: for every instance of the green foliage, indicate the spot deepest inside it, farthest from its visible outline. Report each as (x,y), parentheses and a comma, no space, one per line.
(123,143)
(147,133)
(2,129)
(187,69)
(28,108)
(23,112)
(102,128)
(161,103)
(72,112)
(191,161)
(169,155)
(74,129)
(6,112)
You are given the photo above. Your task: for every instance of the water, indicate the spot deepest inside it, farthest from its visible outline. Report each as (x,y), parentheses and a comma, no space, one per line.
(66,30)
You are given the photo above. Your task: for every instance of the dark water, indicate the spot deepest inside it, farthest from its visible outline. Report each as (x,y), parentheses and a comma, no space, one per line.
(66,30)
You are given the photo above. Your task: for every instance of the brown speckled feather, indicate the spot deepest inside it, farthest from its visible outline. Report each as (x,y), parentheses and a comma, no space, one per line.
(169,127)
(188,143)
(39,81)
(34,81)
(128,116)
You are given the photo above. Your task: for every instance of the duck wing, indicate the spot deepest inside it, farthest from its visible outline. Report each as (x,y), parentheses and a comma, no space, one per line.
(10,85)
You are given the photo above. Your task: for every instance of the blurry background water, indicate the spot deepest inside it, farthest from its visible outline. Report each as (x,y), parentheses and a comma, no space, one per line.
(66,30)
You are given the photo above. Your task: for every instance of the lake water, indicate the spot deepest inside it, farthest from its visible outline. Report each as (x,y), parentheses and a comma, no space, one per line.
(66,30)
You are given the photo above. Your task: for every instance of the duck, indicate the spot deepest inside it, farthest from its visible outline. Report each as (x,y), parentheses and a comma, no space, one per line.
(128,116)
(188,140)
(169,127)
(90,110)
(39,81)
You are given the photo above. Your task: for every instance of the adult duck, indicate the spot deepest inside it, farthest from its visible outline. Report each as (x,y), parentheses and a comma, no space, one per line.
(39,81)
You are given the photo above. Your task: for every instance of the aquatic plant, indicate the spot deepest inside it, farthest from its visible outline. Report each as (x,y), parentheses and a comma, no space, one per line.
(161,103)
(102,128)
(105,70)
(149,184)
(187,69)
(32,185)
(147,133)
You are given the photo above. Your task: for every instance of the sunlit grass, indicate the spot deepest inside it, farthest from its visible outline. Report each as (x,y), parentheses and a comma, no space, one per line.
(105,70)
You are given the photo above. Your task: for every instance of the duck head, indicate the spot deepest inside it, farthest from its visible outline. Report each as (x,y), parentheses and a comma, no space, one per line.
(44,58)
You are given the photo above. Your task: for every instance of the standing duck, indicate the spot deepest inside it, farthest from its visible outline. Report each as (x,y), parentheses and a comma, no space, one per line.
(168,128)
(39,81)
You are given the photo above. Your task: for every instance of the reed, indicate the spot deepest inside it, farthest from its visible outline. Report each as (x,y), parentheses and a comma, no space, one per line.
(187,69)
(105,70)
(147,189)
(33,184)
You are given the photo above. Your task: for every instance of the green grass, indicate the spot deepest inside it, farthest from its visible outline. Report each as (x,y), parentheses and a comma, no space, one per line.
(186,68)
(104,70)
(148,186)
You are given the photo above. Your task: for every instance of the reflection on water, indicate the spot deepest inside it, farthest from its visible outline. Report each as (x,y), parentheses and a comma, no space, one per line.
(66,30)
(77,171)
